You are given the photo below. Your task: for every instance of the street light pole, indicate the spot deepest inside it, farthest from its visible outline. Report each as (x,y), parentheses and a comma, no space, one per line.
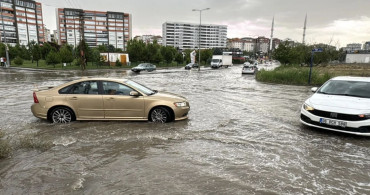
(6,44)
(200,25)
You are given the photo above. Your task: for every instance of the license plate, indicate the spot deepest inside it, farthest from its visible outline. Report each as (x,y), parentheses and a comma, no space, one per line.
(333,122)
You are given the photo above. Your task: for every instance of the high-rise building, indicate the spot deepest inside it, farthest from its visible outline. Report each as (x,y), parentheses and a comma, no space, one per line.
(22,22)
(367,45)
(262,44)
(186,35)
(47,34)
(95,27)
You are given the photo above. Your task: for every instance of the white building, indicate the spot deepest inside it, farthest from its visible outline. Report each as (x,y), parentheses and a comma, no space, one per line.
(358,58)
(352,47)
(47,34)
(186,35)
(150,39)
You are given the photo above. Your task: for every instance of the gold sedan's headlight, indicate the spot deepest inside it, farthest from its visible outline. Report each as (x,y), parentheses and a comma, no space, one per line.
(180,104)
(308,108)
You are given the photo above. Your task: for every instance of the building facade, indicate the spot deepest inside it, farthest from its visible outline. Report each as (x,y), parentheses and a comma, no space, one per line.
(262,45)
(22,22)
(352,47)
(362,58)
(367,45)
(96,28)
(150,39)
(47,34)
(248,44)
(186,35)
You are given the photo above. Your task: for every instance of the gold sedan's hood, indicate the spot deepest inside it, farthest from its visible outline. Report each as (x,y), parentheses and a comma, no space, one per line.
(168,96)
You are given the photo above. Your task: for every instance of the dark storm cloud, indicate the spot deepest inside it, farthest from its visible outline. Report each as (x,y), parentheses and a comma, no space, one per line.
(244,17)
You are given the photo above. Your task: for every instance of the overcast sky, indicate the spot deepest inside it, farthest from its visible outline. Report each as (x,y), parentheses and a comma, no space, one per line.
(338,22)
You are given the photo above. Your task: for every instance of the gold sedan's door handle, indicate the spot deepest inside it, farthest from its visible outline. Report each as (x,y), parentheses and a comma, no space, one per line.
(73,98)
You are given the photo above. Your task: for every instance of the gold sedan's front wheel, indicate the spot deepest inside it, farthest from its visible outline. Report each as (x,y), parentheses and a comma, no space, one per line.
(160,115)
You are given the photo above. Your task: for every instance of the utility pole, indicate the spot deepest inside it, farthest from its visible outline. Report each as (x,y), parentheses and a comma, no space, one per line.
(200,25)
(304,30)
(272,35)
(5,41)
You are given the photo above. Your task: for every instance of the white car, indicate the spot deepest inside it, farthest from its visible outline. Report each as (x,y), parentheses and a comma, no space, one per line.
(342,104)
(249,69)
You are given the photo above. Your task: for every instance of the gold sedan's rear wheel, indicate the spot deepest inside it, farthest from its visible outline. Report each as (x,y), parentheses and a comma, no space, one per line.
(160,115)
(61,115)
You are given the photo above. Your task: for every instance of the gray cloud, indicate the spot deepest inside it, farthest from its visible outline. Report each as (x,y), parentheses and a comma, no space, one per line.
(323,15)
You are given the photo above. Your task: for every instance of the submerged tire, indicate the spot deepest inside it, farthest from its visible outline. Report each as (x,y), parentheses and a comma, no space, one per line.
(62,115)
(160,115)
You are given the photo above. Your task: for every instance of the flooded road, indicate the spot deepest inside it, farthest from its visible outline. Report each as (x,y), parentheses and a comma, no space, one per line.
(242,137)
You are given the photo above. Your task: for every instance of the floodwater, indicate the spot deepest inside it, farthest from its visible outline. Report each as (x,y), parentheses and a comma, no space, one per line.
(242,137)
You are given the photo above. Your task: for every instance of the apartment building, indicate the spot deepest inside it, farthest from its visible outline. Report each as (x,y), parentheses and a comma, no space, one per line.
(262,44)
(150,39)
(95,27)
(352,47)
(47,34)
(22,22)
(186,35)
(366,45)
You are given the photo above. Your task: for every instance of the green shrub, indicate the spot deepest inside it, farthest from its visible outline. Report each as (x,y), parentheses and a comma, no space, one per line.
(293,75)
(118,63)
(18,61)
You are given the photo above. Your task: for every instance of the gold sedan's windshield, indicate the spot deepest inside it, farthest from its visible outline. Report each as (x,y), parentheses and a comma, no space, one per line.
(140,87)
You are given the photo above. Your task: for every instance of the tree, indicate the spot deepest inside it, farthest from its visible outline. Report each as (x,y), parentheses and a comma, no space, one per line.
(95,56)
(18,61)
(217,51)
(53,58)
(136,50)
(168,53)
(206,55)
(24,53)
(282,53)
(2,50)
(187,55)
(157,57)
(111,48)
(31,45)
(102,48)
(46,49)
(66,54)
(179,58)
(36,54)
(83,50)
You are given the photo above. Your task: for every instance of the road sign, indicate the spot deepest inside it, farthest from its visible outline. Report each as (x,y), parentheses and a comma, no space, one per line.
(317,50)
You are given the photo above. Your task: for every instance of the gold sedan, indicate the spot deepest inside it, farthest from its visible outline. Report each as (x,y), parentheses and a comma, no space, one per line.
(107,99)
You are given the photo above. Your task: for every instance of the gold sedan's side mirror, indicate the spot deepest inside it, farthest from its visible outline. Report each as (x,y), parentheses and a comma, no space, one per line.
(314,89)
(134,93)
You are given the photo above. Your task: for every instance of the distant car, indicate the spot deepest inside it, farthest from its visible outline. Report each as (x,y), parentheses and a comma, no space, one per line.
(191,65)
(342,104)
(144,66)
(249,69)
(247,63)
(107,99)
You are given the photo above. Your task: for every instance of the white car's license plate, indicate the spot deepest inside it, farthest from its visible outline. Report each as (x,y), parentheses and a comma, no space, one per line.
(333,122)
